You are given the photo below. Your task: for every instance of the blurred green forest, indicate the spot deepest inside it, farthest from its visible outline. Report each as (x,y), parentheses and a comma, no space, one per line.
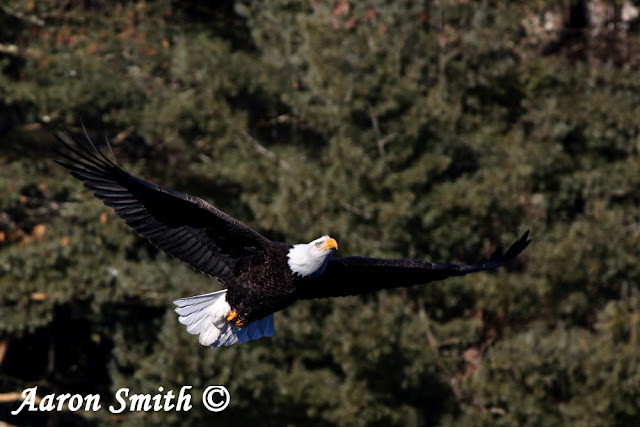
(432,129)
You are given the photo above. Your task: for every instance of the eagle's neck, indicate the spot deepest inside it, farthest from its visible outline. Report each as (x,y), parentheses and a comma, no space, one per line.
(305,261)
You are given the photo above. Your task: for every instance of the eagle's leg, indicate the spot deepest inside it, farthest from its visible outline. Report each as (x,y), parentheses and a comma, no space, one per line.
(234,317)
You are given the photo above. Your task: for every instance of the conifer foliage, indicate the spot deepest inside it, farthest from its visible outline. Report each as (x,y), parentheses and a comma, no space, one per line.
(438,130)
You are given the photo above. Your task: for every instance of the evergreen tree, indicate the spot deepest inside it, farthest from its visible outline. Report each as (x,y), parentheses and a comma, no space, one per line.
(438,130)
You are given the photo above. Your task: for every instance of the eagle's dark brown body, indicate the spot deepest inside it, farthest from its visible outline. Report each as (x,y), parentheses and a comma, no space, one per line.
(263,284)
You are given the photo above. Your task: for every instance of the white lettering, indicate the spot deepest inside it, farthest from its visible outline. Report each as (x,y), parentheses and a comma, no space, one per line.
(140,402)
(120,400)
(156,400)
(29,395)
(167,401)
(46,404)
(162,401)
(184,399)
(75,403)
(61,400)
(92,399)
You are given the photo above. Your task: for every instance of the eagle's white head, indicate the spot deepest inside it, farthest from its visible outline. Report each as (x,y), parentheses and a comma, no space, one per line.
(310,259)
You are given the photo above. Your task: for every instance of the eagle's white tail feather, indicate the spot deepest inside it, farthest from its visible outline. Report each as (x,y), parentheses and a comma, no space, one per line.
(205,316)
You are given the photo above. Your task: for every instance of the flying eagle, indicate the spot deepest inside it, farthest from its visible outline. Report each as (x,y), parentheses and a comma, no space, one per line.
(261,276)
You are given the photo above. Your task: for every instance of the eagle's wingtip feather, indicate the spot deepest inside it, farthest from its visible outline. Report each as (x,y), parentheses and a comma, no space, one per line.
(518,246)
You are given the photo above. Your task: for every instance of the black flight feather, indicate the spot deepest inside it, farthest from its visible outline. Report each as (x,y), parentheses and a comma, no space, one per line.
(184,226)
(358,275)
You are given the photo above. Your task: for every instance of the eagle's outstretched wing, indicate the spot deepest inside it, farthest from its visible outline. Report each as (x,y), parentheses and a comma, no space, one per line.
(184,226)
(357,275)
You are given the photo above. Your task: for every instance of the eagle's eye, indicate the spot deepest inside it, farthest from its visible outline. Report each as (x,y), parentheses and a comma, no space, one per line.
(318,244)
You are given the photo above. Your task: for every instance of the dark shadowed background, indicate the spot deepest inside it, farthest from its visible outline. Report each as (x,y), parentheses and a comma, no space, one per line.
(431,129)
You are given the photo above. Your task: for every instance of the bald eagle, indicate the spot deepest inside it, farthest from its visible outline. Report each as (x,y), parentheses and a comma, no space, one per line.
(261,276)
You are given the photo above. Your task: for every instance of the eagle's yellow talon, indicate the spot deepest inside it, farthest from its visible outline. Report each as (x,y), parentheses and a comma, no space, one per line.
(234,318)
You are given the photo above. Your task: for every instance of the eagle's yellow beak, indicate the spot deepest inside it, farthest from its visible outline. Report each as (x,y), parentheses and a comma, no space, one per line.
(330,244)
